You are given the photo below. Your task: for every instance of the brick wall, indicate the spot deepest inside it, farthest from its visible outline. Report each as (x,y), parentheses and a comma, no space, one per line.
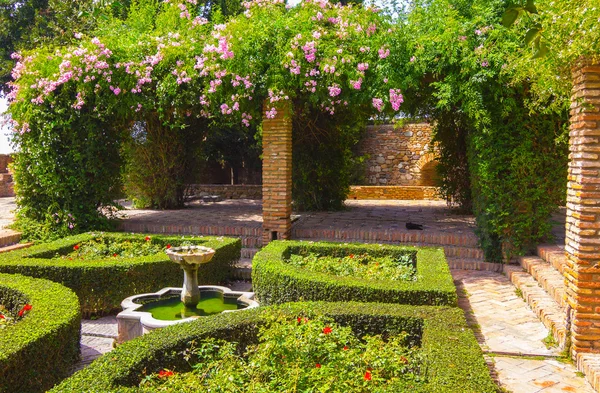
(582,273)
(6,180)
(397,155)
(228,191)
(277,175)
(393,192)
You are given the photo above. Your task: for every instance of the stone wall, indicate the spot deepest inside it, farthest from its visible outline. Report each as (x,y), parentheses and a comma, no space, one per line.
(398,155)
(582,271)
(394,192)
(227,191)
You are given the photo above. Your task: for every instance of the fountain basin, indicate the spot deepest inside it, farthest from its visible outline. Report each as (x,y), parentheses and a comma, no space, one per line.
(149,311)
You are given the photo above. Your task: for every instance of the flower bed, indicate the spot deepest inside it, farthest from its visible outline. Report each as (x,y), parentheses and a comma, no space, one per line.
(102,283)
(276,280)
(445,356)
(39,349)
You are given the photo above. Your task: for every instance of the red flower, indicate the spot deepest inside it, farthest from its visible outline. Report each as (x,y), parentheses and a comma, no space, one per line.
(21,313)
(299,320)
(147,238)
(351,256)
(115,255)
(165,373)
(403,359)
(27,307)
(345,348)
(367,376)
(2,316)
(318,365)
(168,246)
(326,330)
(76,247)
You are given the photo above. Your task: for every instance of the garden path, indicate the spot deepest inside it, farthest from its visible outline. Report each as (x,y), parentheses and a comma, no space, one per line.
(512,336)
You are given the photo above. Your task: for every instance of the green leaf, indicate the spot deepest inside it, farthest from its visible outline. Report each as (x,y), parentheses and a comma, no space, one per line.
(530,7)
(541,51)
(531,34)
(510,16)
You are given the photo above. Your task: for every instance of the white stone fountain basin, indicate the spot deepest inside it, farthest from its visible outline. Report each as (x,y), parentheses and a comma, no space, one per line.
(190,258)
(133,323)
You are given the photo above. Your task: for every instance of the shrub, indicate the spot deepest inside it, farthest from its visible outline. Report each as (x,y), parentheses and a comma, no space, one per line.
(103,283)
(39,349)
(275,281)
(448,346)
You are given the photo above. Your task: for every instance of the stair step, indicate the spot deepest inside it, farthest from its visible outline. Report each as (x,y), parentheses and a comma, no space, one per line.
(589,364)
(473,264)
(544,306)
(249,252)
(554,255)
(547,277)
(9,237)
(242,269)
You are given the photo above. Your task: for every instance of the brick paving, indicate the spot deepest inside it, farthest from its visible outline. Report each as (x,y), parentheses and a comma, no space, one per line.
(511,334)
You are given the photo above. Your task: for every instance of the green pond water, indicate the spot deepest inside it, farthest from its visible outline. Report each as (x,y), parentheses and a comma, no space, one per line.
(170,309)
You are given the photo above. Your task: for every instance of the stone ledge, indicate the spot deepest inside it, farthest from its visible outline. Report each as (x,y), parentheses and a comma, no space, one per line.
(544,306)
(394,192)
(547,277)
(589,364)
(474,264)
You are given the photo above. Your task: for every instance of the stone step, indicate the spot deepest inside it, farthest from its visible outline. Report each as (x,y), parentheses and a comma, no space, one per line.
(553,254)
(248,253)
(242,269)
(589,364)
(474,264)
(425,237)
(9,237)
(544,306)
(547,277)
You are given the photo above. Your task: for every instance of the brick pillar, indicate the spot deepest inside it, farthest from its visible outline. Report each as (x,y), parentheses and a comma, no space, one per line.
(582,273)
(277,174)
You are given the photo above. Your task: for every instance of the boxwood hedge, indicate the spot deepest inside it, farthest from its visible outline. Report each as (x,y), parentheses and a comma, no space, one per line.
(276,281)
(103,283)
(453,357)
(40,349)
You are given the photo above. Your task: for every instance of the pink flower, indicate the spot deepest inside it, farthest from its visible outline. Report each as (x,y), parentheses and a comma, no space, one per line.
(334,90)
(117,91)
(396,99)
(412,59)
(383,53)
(378,104)
(356,84)
(363,66)
(485,63)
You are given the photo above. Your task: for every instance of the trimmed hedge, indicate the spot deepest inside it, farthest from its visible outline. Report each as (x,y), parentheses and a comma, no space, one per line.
(40,349)
(103,283)
(454,359)
(275,281)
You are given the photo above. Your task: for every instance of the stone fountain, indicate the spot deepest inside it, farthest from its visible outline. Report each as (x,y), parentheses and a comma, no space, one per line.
(149,311)
(190,258)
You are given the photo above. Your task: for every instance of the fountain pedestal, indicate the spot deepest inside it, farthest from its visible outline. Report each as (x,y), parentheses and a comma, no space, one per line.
(190,258)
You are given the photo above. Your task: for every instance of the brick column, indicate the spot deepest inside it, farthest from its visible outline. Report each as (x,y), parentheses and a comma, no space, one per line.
(582,273)
(277,174)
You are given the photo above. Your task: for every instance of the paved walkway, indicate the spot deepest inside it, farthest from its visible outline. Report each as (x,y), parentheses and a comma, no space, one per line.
(371,214)
(511,335)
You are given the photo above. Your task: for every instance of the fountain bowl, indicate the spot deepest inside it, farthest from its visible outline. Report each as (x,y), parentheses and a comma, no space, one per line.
(133,321)
(190,255)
